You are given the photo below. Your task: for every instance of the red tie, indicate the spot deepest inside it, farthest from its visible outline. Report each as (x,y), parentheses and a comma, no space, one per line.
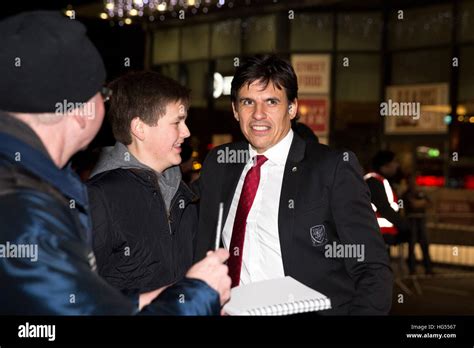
(249,190)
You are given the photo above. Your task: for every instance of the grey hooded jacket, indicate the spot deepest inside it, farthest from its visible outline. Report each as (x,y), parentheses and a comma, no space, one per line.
(144,223)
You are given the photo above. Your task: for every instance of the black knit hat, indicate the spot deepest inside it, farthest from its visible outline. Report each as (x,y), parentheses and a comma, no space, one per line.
(382,158)
(46,58)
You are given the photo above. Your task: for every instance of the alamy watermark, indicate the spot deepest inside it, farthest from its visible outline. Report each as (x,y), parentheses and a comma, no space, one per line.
(28,330)
(86,109)
(345,251)
(227,155)
(394,108)
(22,251)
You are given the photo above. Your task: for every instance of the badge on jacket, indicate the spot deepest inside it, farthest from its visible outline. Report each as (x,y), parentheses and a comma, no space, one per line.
(318,235)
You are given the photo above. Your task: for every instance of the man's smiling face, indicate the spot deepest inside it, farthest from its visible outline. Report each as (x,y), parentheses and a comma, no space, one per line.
(264,114)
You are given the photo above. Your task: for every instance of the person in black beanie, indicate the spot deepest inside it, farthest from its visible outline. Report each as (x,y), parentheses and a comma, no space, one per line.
(52,105)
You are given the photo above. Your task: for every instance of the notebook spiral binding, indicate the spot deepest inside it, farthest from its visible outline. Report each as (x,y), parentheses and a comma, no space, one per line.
(292,307)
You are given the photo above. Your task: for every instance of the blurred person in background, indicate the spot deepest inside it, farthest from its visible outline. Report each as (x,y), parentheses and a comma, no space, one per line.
(393,226)
(190,174)
(416,202)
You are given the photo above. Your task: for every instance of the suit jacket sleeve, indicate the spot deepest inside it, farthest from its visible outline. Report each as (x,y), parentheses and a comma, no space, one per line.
(356,224)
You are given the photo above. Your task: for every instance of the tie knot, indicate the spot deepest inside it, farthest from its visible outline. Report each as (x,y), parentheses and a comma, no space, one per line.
(259,160)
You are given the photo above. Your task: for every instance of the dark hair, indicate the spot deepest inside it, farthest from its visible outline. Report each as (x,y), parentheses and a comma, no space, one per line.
(143,94)
(266,69)
(382,158)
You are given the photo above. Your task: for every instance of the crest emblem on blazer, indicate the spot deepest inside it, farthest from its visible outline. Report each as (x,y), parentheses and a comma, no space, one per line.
(318,235)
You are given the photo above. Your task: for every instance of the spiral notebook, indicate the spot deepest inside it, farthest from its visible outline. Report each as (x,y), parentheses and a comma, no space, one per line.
(282,296)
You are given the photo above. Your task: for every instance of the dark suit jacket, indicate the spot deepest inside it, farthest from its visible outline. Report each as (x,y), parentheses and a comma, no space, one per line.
(324,200)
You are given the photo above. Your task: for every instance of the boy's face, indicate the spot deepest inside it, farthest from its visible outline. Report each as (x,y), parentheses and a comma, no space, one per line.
(264,114)
(162,143)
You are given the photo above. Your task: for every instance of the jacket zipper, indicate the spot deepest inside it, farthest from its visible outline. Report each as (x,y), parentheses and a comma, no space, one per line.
(168,218)
(167,211)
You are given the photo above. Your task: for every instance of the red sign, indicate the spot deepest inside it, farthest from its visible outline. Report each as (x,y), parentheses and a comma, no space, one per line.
(314,112)
(430,180)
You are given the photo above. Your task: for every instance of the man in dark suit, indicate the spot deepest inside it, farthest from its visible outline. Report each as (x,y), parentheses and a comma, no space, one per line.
(291,207)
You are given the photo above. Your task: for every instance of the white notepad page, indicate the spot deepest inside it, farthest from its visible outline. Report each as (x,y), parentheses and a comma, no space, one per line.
(280,296)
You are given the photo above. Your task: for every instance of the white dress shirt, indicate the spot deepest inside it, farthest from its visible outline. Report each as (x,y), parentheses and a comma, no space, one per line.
(261,258)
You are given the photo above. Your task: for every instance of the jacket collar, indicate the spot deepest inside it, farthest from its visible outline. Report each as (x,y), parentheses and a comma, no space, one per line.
(148,178)
(278,153)
(21,131)
(296,155)
(297,149)
(40,164)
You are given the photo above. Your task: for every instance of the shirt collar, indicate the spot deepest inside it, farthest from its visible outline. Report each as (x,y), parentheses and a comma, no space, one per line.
(278,153)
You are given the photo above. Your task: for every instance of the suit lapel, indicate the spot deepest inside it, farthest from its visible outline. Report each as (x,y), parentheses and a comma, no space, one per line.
(289,191)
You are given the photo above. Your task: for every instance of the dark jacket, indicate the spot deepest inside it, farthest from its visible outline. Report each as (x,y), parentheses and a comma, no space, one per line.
(139,245)
(322,190)
(47,208)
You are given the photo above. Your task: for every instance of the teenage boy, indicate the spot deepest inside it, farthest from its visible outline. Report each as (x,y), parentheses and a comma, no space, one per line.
(144,216)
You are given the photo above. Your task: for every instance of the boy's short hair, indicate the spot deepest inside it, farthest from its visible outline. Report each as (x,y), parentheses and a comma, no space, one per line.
(143,94)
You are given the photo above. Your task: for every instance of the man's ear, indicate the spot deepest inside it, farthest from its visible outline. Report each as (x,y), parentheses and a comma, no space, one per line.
(293,109)
(136,128)
(80,120)
(236,114)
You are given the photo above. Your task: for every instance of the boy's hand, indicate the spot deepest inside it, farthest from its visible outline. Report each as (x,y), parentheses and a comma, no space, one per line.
(213,271)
